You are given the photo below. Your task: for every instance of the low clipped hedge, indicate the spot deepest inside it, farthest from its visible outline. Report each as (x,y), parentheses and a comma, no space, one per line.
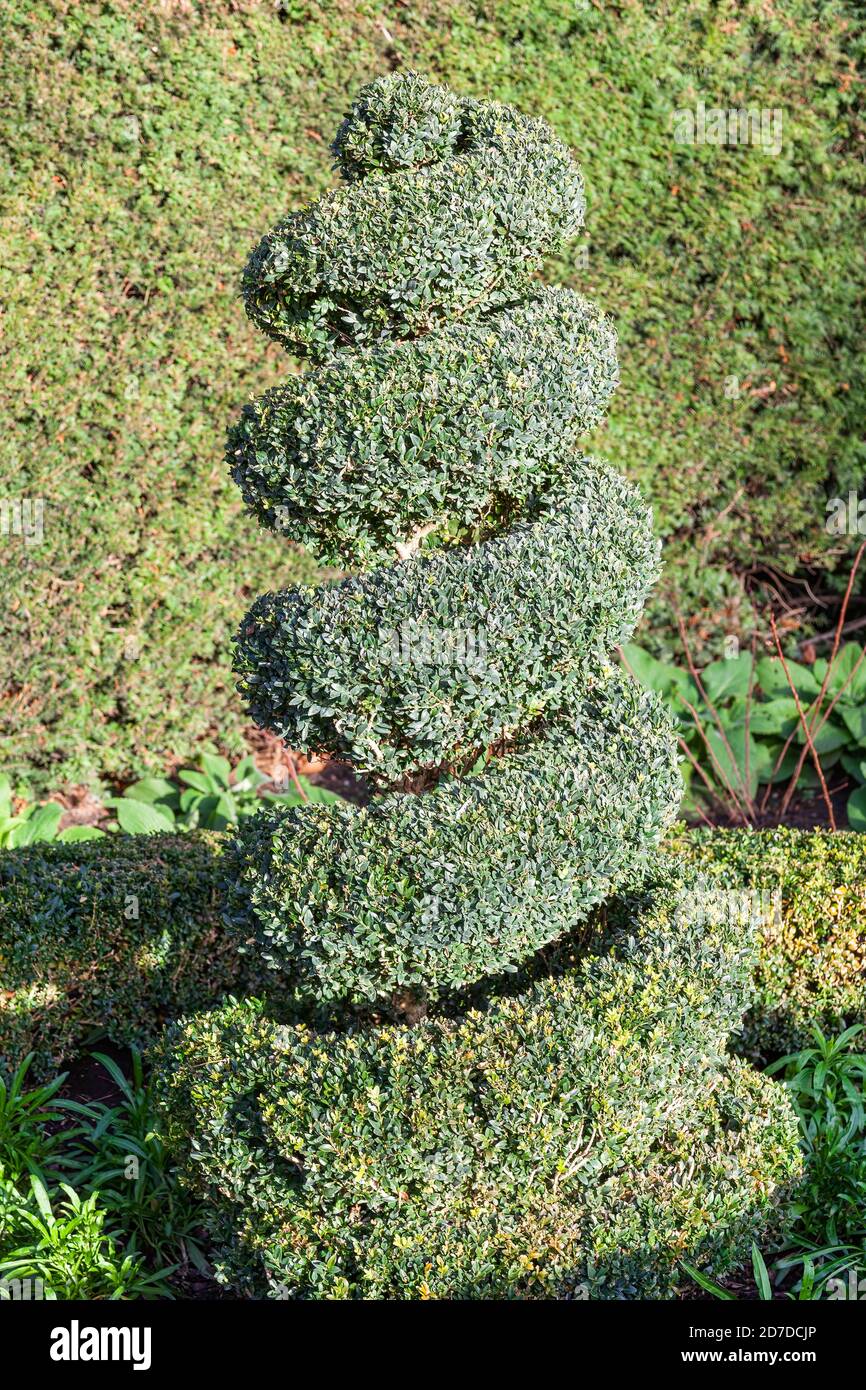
(400,252)
(73,965)
(354,456)
(497,632)
(574,1130)
(431,892)
(812,963)
(110,936)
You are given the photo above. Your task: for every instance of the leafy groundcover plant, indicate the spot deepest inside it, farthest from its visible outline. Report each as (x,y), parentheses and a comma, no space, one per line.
(458,1087)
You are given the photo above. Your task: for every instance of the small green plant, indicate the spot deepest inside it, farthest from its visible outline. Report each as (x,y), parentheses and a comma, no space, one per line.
(751,721)
(24,1141)
(826,1082)
(116,1152)
(212,796)
(88,1204)
(35,823)
(67,1247)
(825,1231)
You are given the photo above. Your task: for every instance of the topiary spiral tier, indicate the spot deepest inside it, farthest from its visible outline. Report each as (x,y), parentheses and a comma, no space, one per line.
(470,1080)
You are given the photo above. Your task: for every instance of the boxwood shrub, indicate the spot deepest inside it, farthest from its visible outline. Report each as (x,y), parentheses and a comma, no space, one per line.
(810,888)
(419,664)
(584,1132)
(354,456)
(434,891)
(110,937)
(570,1131)
(72,964)
(401,252)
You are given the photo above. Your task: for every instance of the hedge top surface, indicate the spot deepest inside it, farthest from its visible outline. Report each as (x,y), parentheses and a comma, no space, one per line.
(400,252)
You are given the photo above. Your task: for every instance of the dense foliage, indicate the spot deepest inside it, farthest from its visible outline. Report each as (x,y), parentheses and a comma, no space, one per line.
(553,1112)
(803,888)
(458,232)
(812,959)
(356,456)
(571,1131)
(434,891)
(151,142)
(422,664)
(109,936)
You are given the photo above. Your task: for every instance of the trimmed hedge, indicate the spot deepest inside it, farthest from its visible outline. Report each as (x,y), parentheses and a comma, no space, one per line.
(62,926)
(431,892)
(111,937)
(400,253)
(812,961)
(355,456)
(420,664)
(575,1131)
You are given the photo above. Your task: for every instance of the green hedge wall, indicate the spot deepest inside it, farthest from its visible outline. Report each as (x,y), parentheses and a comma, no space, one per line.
(812,962)
(113,937)
(72,963)
(150,142)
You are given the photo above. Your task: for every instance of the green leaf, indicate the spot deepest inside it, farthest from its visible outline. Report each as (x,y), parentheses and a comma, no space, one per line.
(137,818)
(39,825)
(762,1277)
(855,766)
(199,780)
(216,812)
(81,832)
(774,717)
(153,790)
(723,679)
(830,737)
(847,659)
(774,683)
(661,676)
(856,809)
(854,717)
(708,1284)
(41,1195)
(217,768)
(734,767)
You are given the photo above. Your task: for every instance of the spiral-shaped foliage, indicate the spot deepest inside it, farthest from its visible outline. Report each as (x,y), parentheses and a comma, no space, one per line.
(462,1086)
(435,437)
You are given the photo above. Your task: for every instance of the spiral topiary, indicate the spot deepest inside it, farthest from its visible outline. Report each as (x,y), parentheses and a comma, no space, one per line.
(444,1105)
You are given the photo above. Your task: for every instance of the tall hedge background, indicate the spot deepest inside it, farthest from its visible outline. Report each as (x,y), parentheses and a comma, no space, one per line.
(146,145)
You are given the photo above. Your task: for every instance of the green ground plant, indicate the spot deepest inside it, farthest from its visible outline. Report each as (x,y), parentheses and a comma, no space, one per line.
(88,1206)
(821,1252)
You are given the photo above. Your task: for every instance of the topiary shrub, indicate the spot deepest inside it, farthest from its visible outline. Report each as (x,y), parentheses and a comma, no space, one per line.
(473,1092)
(568,1130)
